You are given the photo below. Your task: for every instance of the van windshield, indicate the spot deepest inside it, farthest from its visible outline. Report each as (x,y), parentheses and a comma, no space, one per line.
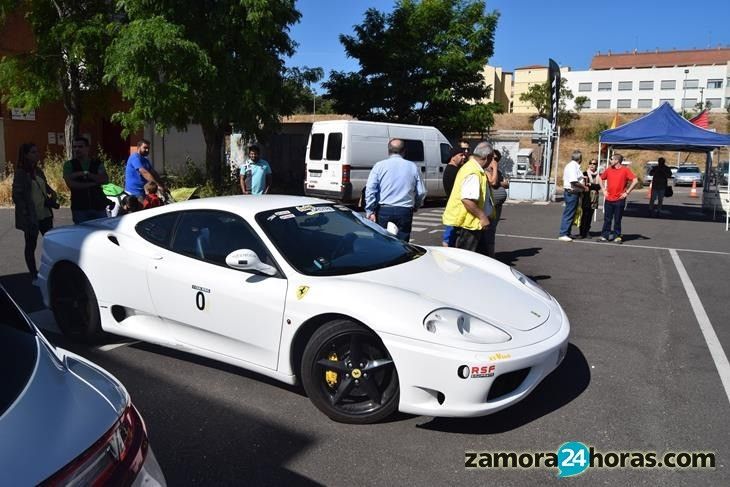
(332,240)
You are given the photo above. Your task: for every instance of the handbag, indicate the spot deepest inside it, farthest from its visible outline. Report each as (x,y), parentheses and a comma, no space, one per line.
(51,197)
(668,192)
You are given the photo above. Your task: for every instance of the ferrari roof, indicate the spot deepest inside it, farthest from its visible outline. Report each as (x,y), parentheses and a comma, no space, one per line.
(250,204)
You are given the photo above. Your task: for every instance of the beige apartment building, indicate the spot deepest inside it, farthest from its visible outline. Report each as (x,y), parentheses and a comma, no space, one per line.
(501,82)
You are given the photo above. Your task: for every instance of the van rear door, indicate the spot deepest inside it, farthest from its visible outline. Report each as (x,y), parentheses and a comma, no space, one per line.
(326,175)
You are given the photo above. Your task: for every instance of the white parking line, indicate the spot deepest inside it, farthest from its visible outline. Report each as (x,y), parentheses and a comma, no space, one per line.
(713,344)
(418,229)
(609,244)
(427,223)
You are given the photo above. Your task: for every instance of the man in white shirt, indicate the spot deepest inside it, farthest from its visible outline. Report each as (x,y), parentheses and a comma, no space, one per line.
(573,187)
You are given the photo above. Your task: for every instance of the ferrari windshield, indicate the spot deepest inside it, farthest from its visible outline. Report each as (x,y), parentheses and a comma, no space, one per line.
(331,240)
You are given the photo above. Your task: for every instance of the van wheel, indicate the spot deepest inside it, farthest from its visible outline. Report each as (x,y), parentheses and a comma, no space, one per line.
(74,305)
(349,375)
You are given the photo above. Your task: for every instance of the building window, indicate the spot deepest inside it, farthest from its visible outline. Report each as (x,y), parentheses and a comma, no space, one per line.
(714,102)
(585,86)
(689,102)
(644,103)
(667,100)
(690,84)
(603,104)
(646,85)
(714,83)
(668,84)
(623,103)
(586,103)
(625,86)
(604,86)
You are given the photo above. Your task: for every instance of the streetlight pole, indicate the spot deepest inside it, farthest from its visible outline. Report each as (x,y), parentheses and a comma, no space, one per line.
(684,86)
(702,98)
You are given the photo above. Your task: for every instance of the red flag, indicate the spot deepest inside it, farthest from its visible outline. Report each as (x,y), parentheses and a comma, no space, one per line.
(701,120)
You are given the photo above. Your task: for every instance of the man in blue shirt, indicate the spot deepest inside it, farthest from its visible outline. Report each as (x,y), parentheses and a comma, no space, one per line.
(394,190)
(255,173)
(139,171)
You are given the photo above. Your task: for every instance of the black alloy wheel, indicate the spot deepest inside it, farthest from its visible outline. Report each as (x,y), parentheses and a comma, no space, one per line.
(74,305)
(349,375)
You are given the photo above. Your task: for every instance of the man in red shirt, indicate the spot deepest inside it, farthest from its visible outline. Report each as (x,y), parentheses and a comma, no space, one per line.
(614,182)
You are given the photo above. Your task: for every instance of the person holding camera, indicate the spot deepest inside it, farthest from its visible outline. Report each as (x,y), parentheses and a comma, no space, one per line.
(34,200)
(85,177)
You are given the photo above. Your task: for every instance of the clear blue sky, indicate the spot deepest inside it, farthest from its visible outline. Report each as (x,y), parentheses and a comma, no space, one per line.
(531,31)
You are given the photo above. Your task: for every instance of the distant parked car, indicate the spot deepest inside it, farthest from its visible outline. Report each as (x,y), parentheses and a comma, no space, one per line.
(688,175)
(649,166)
(63,419)
(720,173)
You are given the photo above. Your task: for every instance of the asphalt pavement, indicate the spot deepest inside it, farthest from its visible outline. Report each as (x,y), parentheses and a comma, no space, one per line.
(642,372)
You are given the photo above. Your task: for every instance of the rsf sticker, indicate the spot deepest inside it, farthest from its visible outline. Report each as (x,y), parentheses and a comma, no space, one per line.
(573,459)
(476,371)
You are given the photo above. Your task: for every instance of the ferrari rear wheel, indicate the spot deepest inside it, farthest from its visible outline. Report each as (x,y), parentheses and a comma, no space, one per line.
(74,305)
(349,375)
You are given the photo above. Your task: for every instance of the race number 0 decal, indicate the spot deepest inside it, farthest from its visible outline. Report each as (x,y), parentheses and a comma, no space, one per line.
(200,297)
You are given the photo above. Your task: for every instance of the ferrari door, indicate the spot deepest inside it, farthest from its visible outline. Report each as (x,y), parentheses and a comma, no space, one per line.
(211,306)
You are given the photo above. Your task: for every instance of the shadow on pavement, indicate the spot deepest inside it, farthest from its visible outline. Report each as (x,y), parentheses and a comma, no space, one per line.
(564,385)
(201,439)
(23,292)
(681,211)
(510,258)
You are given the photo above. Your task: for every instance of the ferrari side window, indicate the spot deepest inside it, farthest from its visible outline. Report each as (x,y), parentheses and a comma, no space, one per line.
(158,230)
(211,235)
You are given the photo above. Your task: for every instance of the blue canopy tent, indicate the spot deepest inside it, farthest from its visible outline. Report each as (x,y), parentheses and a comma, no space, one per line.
(663,129)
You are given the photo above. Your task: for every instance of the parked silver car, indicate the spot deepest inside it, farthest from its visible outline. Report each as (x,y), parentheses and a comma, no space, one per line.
(64,420)
(688,175)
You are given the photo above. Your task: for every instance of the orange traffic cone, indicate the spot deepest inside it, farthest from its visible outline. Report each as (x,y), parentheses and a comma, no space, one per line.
(648,194)
(693,191)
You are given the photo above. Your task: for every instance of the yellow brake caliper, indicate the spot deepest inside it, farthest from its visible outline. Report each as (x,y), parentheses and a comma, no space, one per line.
(330,375)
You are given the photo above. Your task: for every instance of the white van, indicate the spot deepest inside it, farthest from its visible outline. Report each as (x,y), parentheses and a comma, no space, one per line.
(340,154)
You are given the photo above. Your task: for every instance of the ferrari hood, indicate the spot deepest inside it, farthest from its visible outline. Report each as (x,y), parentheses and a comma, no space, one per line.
(469,282)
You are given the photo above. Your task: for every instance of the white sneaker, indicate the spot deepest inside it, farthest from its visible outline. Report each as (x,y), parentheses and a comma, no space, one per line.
(565,238)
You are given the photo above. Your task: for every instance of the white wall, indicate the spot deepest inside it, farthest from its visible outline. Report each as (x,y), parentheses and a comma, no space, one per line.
(657,75)
(176,146)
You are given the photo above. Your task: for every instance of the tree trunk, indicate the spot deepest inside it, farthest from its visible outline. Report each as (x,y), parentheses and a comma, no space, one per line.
(71,130)
(214,136)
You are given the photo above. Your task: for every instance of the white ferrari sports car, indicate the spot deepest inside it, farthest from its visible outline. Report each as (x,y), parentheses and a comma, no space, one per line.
(304,290)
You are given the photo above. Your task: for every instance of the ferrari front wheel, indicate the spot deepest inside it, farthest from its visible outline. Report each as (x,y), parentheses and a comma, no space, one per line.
(349,375)
(74,304)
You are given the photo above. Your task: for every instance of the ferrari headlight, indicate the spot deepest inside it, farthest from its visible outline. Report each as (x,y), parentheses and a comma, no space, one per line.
(452,323)
(531,284)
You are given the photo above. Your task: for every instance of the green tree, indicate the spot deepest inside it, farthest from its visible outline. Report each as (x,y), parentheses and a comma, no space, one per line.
(218,64)
(304,99)
(422,63)
(70,39)
(539,96)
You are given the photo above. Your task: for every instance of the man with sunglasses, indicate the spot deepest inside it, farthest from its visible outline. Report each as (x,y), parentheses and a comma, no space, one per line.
(616,188)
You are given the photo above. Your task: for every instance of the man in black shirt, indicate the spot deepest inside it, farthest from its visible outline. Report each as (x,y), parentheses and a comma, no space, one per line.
(457,159)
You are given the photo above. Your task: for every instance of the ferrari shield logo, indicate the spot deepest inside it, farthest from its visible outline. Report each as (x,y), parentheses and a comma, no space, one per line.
(302,291)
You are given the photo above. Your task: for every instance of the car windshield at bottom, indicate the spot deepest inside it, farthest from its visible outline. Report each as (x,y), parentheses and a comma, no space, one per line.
(330,240)
(683,170)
